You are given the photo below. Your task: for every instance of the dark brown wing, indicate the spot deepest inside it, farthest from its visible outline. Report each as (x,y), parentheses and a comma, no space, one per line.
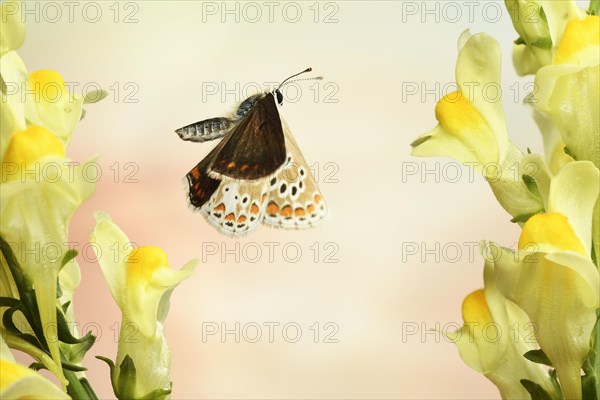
(202,186)
(255,148)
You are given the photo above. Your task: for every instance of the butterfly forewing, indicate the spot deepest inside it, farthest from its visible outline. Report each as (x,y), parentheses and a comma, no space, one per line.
(255,148)
(201,185)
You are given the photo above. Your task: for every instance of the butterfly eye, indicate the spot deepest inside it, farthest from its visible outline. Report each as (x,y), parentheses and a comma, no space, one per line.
(279,97)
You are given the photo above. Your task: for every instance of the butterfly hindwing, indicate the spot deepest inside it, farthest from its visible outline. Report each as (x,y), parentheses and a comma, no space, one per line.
(236,207)
(255,148)
(294,200)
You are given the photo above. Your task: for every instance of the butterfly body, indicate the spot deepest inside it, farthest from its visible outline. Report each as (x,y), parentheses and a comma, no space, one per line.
(256,174)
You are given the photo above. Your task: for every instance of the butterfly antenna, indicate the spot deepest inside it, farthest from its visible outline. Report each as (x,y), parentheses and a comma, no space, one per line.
(316,78)
(290,77)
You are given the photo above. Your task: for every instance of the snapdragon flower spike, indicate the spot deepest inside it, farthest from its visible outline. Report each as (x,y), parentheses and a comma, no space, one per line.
(36,211)
(552,276)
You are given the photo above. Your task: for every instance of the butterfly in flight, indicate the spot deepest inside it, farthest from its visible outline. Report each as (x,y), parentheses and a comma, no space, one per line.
(256,173)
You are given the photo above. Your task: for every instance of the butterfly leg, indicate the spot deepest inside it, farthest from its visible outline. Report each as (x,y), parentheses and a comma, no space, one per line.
(209,129)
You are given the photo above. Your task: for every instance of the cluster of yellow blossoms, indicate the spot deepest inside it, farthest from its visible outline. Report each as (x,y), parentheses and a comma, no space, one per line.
(549,286)
(41,190)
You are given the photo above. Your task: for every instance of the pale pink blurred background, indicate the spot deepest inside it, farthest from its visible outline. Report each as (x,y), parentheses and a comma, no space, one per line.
(166,61)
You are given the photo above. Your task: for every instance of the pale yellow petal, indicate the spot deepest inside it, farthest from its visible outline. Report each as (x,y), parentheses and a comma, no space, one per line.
(574,107)
(478,75)
(19,382)
(12,26)
(574,192)
(580,44)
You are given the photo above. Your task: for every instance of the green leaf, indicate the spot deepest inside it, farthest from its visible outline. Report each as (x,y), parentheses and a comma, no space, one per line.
(72,367)
(532,186)
(535,391)
(95,96)
(538,356)
(568,152)
(65,306)
(420,140)
(588,387)
(543,43)
(59,291)
(543,15)
(126,380)
(111,366)
(64,331)
(524,217)
(3,87)
(36,366)
(76,352)
(69,255)
(110,363)
(158,394)
(88,388)
(520,41)
(594,8)
(9,302)
(556,384)
(17,274)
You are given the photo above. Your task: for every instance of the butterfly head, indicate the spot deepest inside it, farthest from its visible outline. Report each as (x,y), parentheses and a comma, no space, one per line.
(277,92)
(279,97)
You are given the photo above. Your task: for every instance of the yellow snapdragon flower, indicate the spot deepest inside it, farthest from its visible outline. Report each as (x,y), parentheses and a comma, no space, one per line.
(472,127)
(141,283)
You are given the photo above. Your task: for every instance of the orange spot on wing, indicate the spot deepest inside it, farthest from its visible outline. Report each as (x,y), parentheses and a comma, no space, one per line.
(231,165)
(318,198)
(272,208)
(230,217)
(244,167)
(310,208)
(299,212)
(254,209)
(241,218)
(220,207)
(263,198)
(195,173)
(286,211)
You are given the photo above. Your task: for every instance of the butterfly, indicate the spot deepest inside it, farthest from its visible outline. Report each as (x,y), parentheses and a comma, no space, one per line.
(256,173)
